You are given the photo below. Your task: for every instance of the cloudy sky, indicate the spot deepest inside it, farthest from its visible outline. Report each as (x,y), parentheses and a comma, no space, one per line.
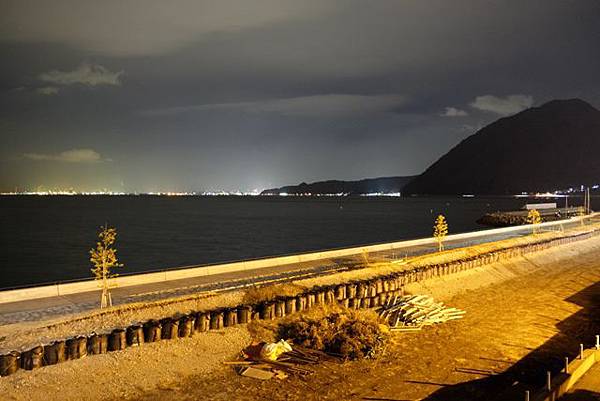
(249,94)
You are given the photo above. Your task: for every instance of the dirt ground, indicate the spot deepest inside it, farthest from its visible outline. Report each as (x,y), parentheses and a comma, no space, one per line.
(538,310)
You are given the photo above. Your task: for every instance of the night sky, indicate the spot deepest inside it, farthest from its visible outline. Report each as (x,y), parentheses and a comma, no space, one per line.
(242,95)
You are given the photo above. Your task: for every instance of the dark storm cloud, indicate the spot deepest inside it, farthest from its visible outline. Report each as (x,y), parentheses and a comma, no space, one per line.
(151,27)
(248,94)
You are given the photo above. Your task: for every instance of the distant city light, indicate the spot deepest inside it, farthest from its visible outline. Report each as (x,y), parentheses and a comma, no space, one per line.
(111,193)
(394,194)
(559,193)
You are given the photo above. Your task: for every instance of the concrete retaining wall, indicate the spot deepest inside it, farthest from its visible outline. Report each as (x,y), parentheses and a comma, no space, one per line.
(176,274)
(564,381)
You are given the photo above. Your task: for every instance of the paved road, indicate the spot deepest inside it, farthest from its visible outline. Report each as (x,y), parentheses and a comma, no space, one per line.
(33,310)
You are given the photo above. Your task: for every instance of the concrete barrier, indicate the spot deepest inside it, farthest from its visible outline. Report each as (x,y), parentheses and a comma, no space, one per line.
(564,381)
(59,289)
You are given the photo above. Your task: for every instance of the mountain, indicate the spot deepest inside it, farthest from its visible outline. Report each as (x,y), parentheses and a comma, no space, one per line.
(368,185)
(540,149)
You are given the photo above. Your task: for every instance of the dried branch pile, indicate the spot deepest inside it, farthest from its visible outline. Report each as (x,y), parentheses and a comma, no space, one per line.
(412,312)
(347,333)
(295,362)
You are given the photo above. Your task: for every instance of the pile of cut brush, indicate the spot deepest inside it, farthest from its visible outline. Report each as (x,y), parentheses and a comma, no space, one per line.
(295,361)
(412,312)
(340,331)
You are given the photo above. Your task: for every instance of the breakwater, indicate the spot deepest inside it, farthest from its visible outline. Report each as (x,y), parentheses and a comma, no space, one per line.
(519,217)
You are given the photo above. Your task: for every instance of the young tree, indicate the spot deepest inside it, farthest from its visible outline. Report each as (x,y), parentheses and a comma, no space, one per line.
(440,229)
(581,214)
(104,259)
(534,218)
(365,256)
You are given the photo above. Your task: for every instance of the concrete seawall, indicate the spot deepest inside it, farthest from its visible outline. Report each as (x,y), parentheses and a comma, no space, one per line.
(565,380)
(177,274)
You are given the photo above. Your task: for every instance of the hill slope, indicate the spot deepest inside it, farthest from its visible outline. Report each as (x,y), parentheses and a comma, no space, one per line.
(369,185)
(543,148)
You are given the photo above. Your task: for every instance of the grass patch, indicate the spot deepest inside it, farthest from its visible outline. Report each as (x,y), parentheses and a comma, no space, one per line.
(257,294)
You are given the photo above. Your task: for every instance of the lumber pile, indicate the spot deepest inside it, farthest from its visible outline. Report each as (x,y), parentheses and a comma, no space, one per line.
(413,312)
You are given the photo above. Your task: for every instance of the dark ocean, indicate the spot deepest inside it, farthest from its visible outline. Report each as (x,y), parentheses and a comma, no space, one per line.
(47,238)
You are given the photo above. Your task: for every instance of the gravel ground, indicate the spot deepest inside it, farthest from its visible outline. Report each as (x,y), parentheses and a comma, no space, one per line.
(125,374)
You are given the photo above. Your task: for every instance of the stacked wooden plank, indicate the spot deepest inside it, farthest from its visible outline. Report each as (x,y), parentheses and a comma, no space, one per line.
(412,312)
